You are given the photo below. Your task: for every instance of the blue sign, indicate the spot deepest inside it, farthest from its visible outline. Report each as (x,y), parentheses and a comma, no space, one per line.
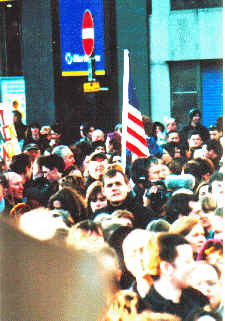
(74,62)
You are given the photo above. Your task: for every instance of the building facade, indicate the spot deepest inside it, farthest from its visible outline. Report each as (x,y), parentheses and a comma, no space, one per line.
(175,56)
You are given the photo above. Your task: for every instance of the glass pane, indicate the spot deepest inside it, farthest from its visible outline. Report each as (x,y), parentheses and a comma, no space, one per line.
(181,104)
(192,4)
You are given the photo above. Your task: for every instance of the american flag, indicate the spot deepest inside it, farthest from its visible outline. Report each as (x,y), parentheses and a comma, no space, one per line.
(133,134)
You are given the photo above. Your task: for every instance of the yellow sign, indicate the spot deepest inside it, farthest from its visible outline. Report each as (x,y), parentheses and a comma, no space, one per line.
(90,87)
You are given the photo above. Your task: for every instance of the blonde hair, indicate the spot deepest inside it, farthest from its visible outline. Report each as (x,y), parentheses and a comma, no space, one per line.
(184,225)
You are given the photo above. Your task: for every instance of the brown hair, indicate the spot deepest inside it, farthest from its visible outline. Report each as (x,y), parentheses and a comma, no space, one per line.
(184,225)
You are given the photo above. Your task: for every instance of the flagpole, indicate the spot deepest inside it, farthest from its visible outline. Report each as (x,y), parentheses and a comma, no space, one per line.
(126,71)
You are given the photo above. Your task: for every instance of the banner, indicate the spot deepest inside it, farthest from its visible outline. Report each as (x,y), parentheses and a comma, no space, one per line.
(8,138)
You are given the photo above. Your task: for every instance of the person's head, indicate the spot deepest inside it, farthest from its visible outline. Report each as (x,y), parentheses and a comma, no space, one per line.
(66,154)
(52,167)
(86,130)
(16,187)
(21,164)
(214,133)
(158,127)
(154,166)
(171,124)
(97,135)
(179,205)
(133,246)
(68,199)
(208,205)
(206,168)
(195,116)
(97,165)
(206,279)
(216,187)
(173,136)
(193,167)
(212,253)
(194,139)
(4,185)
(191,229)
(123,217)
(86,234)
(214,149)
(148,126)
(35,129)
(116,186)
(173,259)
(205,314)
(33,150)
(56,130)
(95,198)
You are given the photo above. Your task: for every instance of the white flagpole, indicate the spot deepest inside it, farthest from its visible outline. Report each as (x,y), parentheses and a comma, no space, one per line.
(126,72)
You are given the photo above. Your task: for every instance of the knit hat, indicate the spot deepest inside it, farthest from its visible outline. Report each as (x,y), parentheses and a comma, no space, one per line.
(193,112)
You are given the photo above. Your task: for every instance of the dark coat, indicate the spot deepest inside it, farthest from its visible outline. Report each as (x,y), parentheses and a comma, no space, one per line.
(142,215)
(191,300)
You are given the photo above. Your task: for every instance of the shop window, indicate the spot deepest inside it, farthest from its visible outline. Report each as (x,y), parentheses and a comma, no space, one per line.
(185,90)
(194,4)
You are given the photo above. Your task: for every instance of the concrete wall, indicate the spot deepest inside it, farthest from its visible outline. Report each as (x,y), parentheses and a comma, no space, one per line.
(179,35)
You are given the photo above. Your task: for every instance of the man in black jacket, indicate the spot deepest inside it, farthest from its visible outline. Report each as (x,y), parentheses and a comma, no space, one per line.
(170,292)
(194,124)
(117,192)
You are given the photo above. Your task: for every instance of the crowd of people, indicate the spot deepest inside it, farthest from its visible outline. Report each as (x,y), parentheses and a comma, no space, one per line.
(159,220)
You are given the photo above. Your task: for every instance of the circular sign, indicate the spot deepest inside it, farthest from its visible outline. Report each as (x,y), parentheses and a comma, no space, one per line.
(88,33)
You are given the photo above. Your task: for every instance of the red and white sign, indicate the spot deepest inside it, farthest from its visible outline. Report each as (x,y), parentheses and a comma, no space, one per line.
(88,33)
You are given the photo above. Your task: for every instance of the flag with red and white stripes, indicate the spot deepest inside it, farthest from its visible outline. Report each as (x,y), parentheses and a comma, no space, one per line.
(133,134)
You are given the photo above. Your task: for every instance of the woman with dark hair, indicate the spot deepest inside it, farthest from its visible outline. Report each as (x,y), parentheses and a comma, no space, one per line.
(95,198)
(70,200)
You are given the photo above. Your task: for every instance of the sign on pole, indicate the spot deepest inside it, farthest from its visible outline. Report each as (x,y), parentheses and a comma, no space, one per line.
(88,33)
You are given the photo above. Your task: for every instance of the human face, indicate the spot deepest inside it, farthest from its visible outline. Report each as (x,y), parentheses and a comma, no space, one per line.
(205,279)
(57,204)
(98,202)
(171,126)
(116,189)
(218,192)
(97,135)
(154,172)
(35,131)
(16,186)
(135,253)
(196,238)
(214,134)
(195,209)
(52,175)
(69,160)
(183,265)
(196,119)
(195,141)
(97,167)
(174,137)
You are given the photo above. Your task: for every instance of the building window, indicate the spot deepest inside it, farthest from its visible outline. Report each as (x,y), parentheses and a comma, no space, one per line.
(185,90)
(197,84)
(10,38)
(194,4)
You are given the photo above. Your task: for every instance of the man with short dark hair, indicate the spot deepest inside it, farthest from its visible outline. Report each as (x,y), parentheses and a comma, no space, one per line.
(52,167)
(117,191)
(170,267)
